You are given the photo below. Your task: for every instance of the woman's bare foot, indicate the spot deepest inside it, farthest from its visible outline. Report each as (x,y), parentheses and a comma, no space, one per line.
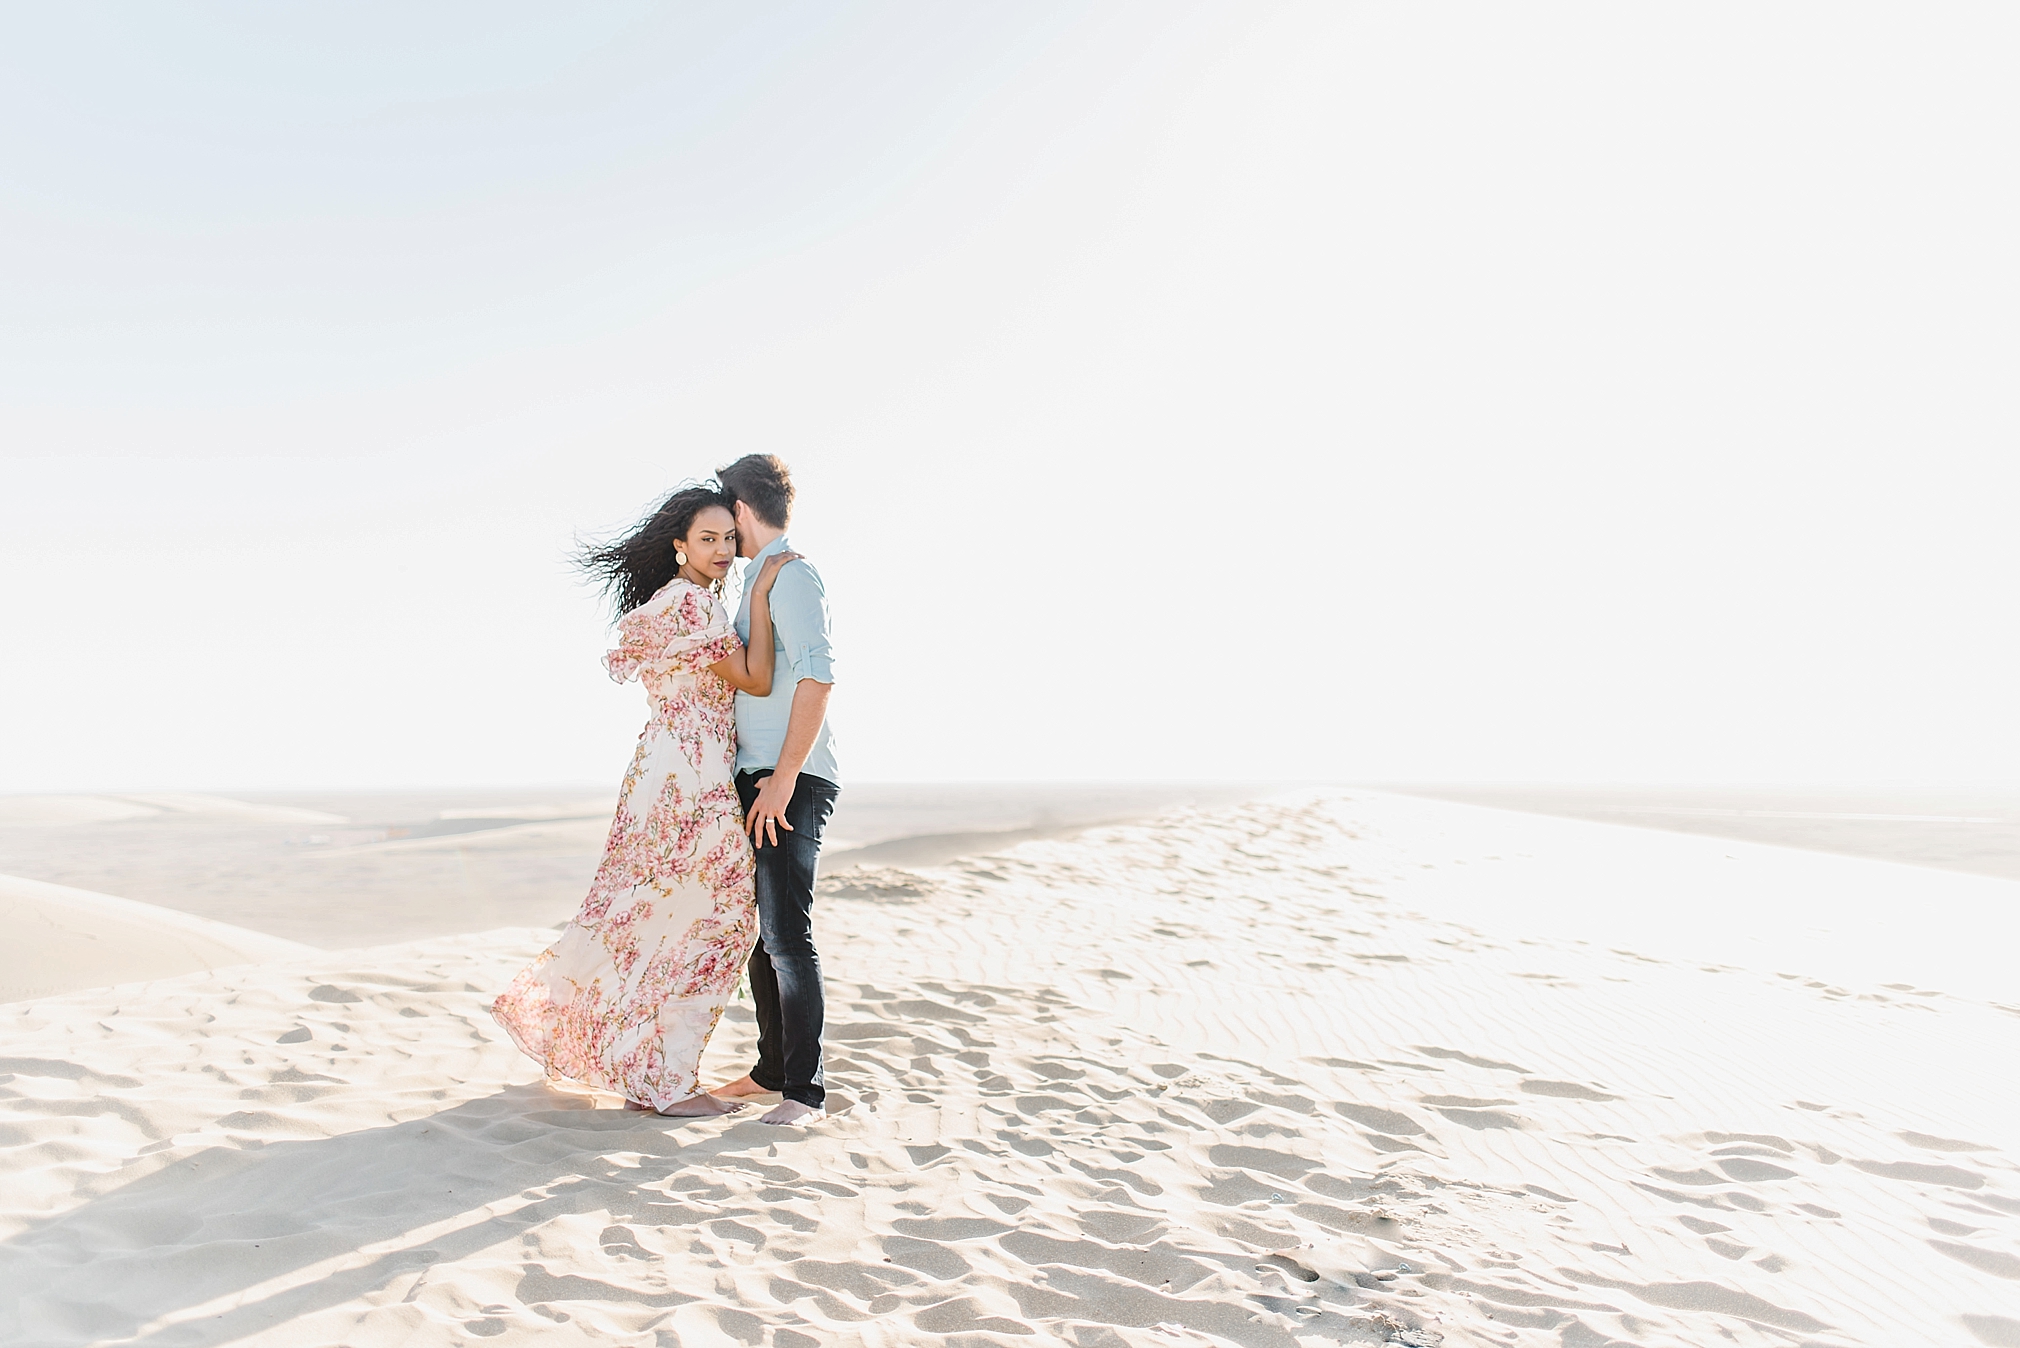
(741,1089)
(698,1106)
(792,1111)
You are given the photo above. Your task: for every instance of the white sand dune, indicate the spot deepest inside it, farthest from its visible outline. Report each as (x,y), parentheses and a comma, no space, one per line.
(1212,1079)
(60,939)
(585,834)
(1842,918)
(46,810)
(376,868)
(58,811)
(186,802)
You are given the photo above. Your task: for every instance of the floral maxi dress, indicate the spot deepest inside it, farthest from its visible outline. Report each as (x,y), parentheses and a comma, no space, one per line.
(626,999)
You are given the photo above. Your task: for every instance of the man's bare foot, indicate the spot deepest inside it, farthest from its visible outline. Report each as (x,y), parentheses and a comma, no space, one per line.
(792,1111)
(698,1106)
(741,1089)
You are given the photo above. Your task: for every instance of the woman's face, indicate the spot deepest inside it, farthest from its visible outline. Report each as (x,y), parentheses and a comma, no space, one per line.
(711,542)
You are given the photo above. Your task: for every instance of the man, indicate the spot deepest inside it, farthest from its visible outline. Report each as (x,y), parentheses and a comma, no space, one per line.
(787,778)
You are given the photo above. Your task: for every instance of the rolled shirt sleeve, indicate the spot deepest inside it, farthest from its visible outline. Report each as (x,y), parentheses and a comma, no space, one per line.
(799,606)
(804,649)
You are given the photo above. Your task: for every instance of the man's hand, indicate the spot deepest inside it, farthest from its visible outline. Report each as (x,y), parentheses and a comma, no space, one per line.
(768,811)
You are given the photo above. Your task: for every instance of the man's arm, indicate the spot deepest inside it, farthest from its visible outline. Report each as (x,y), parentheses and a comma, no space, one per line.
(810,708)
(799,610)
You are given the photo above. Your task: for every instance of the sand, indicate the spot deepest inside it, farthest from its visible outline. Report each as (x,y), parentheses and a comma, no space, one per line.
(341,869)
(1977,831)
(59,938)
(1338,1067)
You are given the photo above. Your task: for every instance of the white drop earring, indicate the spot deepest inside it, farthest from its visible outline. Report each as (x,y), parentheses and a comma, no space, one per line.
(679,558)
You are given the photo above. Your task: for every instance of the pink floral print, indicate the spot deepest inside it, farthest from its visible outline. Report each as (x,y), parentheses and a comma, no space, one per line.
(627,998)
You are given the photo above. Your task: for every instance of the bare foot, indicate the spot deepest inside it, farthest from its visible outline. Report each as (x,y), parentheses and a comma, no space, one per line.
(698,1106)
(741,1089)
(792,1111)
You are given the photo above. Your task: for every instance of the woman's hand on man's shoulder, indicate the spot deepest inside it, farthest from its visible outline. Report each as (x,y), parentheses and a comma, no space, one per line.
(773,565)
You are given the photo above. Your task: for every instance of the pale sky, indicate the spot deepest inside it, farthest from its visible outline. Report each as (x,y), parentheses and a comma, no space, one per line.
(1313,391)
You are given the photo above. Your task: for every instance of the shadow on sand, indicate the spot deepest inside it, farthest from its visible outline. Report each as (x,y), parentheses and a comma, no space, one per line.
(232,1240)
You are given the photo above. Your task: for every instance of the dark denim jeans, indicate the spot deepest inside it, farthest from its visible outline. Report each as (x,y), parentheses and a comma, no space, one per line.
(785,969)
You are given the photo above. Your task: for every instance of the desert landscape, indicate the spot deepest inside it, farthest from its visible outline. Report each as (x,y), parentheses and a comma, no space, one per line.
(1326,1066)
(1398,607)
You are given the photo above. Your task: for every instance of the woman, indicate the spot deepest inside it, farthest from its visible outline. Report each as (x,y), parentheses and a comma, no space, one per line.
(626,1000)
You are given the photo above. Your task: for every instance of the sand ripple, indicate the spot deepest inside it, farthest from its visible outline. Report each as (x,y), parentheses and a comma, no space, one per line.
(1199,1081)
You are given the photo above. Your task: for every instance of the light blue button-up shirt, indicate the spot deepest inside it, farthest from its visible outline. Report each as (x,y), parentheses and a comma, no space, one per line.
(801,649)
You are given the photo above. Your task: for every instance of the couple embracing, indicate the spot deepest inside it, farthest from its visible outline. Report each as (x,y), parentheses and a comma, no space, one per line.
(712,856)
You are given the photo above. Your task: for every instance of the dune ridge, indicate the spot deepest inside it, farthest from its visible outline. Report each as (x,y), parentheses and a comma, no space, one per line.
(1209,1079)
(60,938)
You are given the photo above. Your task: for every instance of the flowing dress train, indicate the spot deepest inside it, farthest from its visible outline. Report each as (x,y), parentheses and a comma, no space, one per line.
(627,998)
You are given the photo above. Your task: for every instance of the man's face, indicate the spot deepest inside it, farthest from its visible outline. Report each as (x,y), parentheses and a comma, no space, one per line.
(746,545)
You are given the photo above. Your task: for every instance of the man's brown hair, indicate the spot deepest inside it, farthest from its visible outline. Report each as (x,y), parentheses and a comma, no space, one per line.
(762,482)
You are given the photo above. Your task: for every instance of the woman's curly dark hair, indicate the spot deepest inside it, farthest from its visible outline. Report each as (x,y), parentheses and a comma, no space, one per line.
(636,567)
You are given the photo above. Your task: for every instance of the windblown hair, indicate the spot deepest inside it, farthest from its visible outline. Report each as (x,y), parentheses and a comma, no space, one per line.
(762,482)
(638,566)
